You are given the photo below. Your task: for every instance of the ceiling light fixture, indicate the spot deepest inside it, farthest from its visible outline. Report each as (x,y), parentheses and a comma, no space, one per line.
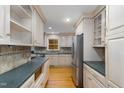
(50,28)
(67,20)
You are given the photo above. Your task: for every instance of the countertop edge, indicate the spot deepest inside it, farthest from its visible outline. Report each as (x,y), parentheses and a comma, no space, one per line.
(95,69)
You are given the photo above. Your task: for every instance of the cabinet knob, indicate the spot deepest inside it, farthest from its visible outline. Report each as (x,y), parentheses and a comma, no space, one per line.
(8,34)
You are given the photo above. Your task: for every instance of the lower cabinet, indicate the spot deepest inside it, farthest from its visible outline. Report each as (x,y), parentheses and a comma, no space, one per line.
(29,83)
(60,60)
(90,79)
(111,85)
(38,80)
(65,60)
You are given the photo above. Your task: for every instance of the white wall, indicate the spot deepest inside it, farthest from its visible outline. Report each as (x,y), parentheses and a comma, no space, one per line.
(88,30)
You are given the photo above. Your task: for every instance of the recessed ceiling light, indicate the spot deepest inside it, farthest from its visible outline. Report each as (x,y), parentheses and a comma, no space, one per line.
(52,32)
(50,27)
(67,19)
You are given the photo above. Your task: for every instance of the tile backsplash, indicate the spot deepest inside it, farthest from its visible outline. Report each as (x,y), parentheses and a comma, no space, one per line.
(12,57)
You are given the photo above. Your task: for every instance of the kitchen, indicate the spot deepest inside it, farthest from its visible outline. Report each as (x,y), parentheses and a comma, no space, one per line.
(61,46)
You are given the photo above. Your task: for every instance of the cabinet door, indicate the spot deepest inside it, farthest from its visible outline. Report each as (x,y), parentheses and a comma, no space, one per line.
(79,29)
(4,24)
(115,61)
(68,59)
(45,73)
(69,41)
(28,83)
(38,30)
(91,82)
(62,41)
(116,14)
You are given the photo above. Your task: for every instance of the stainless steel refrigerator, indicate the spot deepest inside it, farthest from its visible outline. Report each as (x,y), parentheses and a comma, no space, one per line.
(77,60)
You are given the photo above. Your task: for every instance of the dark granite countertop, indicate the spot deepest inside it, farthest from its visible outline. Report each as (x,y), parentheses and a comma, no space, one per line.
(99,66)
(16,77)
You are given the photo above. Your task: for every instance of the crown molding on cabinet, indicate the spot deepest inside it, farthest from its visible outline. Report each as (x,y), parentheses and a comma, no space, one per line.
(82,17)
(40,12)
(90,15)
(98,10)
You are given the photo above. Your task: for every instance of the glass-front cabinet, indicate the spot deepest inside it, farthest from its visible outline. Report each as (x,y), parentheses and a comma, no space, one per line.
(100,29)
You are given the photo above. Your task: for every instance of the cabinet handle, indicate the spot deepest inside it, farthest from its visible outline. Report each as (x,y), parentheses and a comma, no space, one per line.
(89,78)
(8,34)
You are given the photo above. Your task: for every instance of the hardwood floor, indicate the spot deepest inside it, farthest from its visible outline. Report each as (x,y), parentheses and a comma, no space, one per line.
(60,77)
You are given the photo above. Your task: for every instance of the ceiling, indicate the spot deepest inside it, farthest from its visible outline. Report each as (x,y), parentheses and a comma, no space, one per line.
(56,15)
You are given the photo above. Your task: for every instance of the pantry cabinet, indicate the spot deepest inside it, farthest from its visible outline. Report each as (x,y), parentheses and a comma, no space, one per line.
(100,29)
(115,44)
(38,28)
(116,14)
(115,52)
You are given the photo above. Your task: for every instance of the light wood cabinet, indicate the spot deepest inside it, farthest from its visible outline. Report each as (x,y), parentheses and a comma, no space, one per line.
(38,28)
(100,29)
(92,79)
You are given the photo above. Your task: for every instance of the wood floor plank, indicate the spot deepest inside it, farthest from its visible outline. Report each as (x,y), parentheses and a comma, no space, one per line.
(60,77)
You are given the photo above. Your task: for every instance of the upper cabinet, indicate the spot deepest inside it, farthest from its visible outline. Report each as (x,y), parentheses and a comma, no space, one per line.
(116,14)
(100,29)
(20,25)
(79,29)
(4,28)
(66,41)
(38,28)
